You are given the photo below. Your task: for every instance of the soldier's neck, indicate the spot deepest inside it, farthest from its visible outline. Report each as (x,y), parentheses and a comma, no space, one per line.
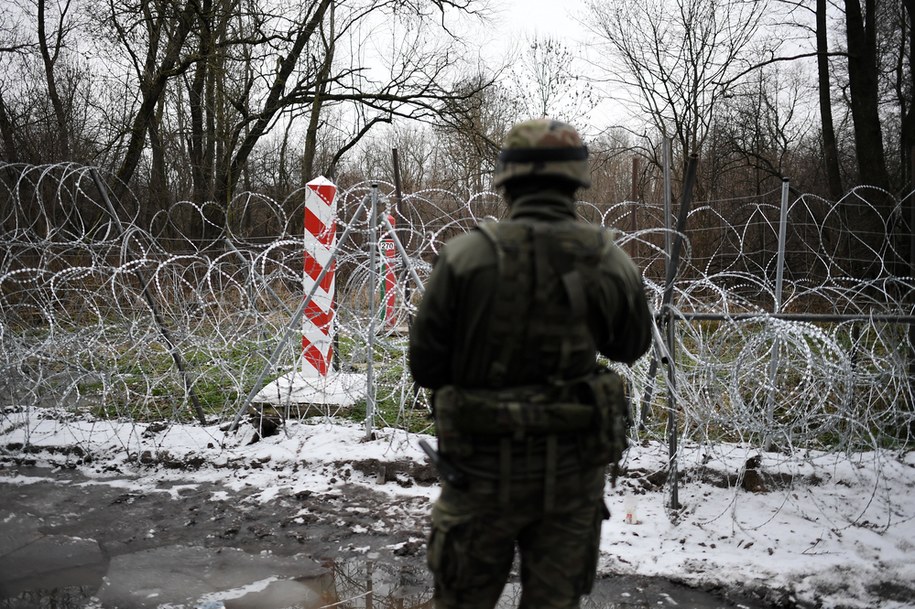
(544,204)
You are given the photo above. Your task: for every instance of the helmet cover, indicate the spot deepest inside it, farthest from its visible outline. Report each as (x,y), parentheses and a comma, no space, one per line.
(543,147)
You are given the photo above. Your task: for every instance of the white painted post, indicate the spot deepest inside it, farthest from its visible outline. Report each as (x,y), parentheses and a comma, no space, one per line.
(320,238)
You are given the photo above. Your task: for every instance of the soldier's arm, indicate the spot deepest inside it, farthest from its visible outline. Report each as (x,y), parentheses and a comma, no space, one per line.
(431,332)
(634,328)
(626,310)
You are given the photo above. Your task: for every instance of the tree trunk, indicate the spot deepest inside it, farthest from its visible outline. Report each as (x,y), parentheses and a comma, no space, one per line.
(214,72)
(60,115)
(228,175)
(908,113)
(11,154)
(196,144)
(283,181)
(158,190)
(862,76)
(869,228)
(196,101)
(830,150)
(151,88)
(311,134)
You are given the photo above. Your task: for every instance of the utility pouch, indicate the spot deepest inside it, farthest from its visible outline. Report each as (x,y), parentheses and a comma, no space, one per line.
(594,407)
(517,411)
(607,392)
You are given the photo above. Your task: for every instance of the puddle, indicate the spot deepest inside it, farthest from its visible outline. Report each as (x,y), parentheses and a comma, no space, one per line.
(198,578)
(178,577)
(70,597)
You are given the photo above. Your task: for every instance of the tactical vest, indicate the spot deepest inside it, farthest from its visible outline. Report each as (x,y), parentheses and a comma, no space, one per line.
(542,353)
(539,330)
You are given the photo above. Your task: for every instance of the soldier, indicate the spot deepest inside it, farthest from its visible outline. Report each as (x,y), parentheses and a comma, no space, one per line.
(506,336)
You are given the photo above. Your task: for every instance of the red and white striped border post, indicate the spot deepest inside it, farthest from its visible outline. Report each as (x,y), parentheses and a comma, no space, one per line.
(320,239)
(390,279)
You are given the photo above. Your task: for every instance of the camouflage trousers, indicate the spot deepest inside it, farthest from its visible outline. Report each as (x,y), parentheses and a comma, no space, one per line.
(475,532)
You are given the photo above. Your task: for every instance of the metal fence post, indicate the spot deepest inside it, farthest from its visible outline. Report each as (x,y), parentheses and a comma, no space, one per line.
(373,286)
(779,280)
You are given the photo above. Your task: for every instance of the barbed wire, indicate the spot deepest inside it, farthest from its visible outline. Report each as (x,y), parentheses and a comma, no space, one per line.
(78,337)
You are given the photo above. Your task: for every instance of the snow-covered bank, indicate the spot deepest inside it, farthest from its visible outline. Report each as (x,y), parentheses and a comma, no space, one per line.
(823,529)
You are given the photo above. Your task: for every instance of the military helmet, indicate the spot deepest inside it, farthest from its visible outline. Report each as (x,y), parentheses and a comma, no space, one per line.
(543,147)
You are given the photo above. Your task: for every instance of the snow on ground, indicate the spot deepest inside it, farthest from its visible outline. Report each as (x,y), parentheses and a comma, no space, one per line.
(827,530)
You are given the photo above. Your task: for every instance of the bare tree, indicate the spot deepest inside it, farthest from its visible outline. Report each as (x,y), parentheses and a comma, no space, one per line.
(800,13)
(544,82)
(830,146)
(50,53)
(314,115)
(863,78)
(472,135)
(10,148)
(11,45)
(413,75)
(246,69)
(679,57)
(153,36)
(44,83)
(761,128)
(905,87)
(212,25)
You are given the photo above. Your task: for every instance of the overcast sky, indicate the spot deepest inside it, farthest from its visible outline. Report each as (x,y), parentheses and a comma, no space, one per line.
(516,21)
(539,16)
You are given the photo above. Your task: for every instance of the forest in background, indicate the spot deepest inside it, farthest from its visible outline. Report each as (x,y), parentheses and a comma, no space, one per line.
(198,100)
(205,118)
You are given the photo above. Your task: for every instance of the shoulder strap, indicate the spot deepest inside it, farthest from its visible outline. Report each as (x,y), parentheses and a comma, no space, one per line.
(540,304)
(511,301)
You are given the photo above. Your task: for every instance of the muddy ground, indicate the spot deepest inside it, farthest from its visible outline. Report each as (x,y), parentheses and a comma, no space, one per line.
(68,541)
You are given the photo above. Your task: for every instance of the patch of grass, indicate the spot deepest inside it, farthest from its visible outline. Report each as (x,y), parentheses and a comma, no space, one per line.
(391,413)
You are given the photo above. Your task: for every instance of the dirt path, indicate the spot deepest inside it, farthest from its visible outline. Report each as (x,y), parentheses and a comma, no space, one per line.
(72,542)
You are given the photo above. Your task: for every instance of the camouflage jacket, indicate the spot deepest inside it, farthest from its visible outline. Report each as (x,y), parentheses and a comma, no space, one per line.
(449,337)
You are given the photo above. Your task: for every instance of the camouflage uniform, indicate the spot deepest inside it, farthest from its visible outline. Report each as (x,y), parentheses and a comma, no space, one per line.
(501,316)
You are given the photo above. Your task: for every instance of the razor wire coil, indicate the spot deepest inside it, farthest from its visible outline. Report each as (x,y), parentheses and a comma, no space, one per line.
(77,335)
